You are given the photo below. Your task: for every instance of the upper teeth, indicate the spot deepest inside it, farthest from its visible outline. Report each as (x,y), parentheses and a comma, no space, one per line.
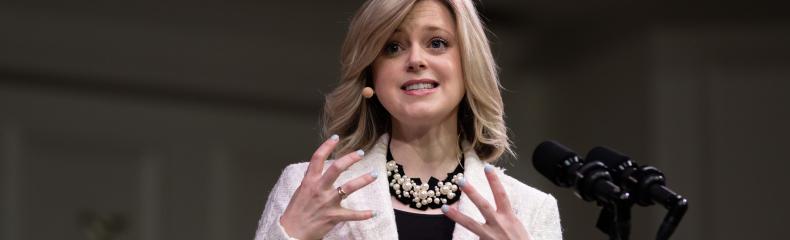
(419,86)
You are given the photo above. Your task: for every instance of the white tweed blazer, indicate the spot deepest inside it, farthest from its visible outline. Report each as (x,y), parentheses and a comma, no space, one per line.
(536,210)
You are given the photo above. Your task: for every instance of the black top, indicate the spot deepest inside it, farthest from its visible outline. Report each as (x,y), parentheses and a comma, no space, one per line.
(415,226)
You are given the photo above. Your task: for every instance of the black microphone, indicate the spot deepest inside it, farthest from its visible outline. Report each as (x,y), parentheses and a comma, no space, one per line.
(564,168)
(646,184)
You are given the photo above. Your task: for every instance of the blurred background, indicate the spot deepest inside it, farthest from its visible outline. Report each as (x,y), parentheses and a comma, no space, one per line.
(173,119)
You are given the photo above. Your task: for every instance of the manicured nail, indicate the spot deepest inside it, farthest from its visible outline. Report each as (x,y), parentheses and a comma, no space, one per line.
(374,174)
(360,153)
(488,168)
(461,182)
(334,137)
(445,209)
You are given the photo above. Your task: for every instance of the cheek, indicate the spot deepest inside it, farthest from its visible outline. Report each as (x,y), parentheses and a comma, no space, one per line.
(453,74)
(385,79)
(382,76)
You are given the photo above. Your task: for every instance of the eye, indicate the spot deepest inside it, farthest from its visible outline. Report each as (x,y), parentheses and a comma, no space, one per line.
(392,48)
(438,43)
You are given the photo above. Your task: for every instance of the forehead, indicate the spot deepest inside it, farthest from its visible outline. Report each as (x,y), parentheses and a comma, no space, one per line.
(428,14)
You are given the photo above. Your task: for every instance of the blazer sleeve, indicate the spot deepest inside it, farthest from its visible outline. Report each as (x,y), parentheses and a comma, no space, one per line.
(269,227)
(546,221)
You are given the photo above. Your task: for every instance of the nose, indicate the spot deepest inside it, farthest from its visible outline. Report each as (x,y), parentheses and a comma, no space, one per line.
(416,60)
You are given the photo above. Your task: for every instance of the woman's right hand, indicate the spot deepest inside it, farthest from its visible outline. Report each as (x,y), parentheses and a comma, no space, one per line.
(315,208)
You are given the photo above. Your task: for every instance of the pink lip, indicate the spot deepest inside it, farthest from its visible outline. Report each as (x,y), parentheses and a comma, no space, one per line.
(420,92)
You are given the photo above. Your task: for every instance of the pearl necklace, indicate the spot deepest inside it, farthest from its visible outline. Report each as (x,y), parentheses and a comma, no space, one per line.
(418,195)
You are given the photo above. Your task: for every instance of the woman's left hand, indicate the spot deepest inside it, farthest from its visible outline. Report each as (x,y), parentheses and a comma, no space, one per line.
(500,221)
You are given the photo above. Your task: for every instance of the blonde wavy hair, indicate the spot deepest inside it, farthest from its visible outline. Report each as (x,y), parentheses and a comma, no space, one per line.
(362,121)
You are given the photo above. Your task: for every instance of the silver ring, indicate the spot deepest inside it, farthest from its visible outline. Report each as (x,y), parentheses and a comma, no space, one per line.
(342,193)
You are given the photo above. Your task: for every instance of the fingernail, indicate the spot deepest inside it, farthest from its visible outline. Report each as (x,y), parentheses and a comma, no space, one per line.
(374,174)
(334,137)
(461,182)
(445,209)
(374,214)
(360,153)
(488,168)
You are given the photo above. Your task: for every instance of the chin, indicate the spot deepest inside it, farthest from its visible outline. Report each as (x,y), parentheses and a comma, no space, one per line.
(424,114)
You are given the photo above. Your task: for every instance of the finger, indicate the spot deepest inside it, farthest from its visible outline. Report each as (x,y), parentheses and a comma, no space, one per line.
(500,196)
(359,182)
(343,215)
(338,166)
(320,154)
(485,208)
(461,218)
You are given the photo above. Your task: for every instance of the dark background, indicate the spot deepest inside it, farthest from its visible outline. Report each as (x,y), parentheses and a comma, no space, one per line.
(178,116)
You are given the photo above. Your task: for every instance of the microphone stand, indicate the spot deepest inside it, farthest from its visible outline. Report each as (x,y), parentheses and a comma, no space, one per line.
(615,219)
(676,209)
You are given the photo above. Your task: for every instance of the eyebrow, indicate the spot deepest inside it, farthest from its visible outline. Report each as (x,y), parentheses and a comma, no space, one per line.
(432,28)
(429,28)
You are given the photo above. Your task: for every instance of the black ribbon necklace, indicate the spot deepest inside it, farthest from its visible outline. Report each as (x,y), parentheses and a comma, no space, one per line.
(418,195)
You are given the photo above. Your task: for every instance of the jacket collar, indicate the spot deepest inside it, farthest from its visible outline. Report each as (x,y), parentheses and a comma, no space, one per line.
(376,196)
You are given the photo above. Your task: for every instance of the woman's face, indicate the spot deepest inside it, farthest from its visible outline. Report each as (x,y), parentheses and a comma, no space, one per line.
(418,76)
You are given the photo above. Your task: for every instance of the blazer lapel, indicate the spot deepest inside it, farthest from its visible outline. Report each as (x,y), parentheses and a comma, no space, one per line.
(375,196)
(475,176)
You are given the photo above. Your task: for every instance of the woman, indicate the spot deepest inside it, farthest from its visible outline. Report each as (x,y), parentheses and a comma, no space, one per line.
(419,92)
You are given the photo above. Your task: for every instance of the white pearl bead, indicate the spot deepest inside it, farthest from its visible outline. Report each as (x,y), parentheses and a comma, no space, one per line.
(397,176)
(436,201)
(424,202)
(397,192)
(431,193)
(396,186)
(450,195)
(419,205)
(454,188)
(444,201)
(391,165)
(400,180)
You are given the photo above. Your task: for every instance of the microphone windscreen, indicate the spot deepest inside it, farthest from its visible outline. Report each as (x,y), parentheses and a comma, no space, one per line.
(608,157)
(547,157)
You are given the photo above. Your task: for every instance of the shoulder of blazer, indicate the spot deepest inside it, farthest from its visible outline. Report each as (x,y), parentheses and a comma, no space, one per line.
(517,186)
(524,198)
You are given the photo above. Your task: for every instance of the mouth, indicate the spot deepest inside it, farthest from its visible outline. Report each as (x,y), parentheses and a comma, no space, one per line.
(419,84)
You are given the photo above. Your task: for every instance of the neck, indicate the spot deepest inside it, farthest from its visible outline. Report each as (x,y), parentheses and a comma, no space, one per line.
(426,150)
